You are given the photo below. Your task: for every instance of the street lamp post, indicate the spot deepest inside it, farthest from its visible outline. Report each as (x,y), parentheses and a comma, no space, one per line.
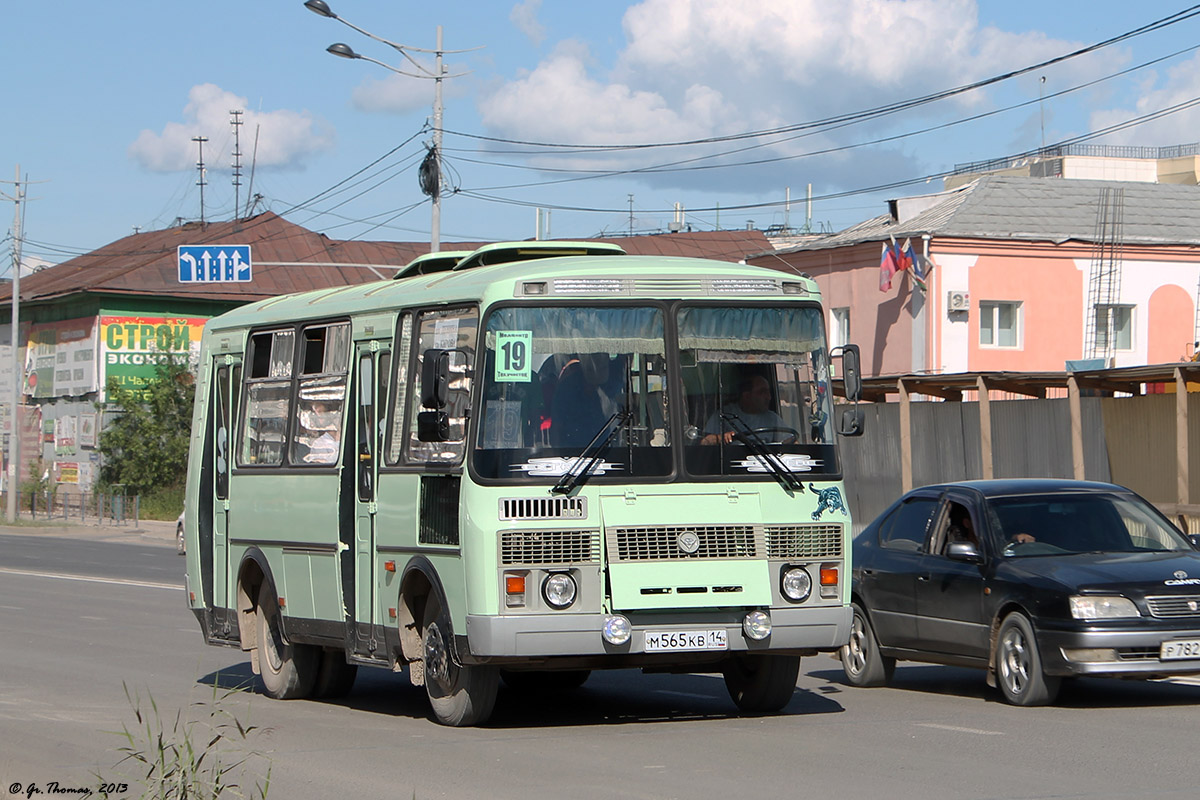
(431,167)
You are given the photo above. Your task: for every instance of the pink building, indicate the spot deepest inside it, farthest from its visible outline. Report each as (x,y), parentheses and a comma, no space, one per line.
(1028,273)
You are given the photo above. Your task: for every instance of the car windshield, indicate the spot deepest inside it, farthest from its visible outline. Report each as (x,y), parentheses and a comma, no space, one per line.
(554,376)
(1054,524)
(762,369)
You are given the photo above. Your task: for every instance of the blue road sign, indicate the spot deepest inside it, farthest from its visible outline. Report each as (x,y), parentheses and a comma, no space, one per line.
(214,263)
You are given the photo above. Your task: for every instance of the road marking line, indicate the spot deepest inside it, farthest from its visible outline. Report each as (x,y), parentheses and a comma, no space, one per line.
(89,579)
(957,729)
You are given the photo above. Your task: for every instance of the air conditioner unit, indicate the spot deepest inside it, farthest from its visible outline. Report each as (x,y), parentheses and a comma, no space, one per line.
(958,301)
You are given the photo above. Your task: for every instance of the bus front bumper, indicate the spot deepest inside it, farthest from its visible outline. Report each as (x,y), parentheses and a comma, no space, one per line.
(549,635)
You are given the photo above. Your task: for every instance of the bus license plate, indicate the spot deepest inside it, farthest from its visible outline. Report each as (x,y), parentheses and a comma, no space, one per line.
(678,641)
(1179,649)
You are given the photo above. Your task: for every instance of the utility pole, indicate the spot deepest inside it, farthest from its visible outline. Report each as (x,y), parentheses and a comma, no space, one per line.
(14,439)
(200,140)
(631,215)
(236,122)
(435,232)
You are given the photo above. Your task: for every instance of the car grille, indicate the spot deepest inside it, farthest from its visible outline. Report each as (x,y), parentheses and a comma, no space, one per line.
(1137,654)
(537,548)
(661,543)
(514,508)
(804,541)
(1174,605)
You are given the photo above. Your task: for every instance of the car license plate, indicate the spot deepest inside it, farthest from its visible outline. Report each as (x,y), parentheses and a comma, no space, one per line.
(677,641)
(1178,649)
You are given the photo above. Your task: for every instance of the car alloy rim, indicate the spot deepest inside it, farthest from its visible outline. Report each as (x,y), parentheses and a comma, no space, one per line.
(1014,661)
(856,648)
(436,665)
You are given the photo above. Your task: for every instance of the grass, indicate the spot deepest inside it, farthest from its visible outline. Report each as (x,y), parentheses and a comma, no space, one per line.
(204,755)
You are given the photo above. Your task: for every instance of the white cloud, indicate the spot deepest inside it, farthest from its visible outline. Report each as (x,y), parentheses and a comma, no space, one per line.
(702,68)
(524,16)
(1180,84)
(285,138)
(398,94)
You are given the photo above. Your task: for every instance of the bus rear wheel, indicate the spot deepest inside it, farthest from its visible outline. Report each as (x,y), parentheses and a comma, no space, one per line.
(761,684)
(288,670)
(460,695)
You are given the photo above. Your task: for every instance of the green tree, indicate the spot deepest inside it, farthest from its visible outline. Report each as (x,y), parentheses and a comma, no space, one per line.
(145,446)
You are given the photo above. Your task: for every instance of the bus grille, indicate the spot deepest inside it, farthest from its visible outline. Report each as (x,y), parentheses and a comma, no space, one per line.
(665,543)
(1178,605)
(512,508)
(536,548)
(804,541)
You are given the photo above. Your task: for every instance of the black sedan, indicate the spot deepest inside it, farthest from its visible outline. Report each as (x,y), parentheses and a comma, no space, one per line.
(1032,580)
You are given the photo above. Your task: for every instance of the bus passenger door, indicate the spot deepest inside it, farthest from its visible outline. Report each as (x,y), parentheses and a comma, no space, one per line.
(370,386)
(228,371)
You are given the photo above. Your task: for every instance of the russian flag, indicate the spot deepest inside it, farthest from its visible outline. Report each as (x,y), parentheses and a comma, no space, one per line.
(887,268)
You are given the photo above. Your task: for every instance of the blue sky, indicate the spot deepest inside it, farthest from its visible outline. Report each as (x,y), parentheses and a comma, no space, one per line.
(102,101)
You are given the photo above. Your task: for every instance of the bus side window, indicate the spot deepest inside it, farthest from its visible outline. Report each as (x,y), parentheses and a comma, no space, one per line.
(395,415)
(325,362)
(268,396)
(452,330)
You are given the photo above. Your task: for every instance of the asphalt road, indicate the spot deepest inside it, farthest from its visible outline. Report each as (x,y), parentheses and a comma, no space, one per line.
(82,619)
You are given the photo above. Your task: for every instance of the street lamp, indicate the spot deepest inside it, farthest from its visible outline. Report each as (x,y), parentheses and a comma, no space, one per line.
(431,167)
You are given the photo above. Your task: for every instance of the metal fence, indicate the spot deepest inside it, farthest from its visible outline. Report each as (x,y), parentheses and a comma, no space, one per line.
(102,509)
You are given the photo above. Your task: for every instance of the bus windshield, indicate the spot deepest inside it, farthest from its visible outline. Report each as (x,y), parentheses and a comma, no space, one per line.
(554,376)
(760,374)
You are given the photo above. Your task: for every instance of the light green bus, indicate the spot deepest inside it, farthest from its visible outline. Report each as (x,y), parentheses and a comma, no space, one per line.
(520,465)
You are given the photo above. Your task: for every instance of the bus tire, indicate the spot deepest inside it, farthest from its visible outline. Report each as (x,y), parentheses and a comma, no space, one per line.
(560,681)
(460,695)
(335,677)
(288,670)
(760,683)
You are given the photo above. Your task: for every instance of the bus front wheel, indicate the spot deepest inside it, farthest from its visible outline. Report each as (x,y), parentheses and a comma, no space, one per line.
(460,695)
(760,683)
(287,670)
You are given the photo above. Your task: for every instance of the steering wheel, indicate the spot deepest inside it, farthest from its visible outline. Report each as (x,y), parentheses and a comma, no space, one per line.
(792,434)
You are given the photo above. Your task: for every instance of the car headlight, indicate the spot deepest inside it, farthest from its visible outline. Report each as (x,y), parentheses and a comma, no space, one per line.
(1102,607)
(796,584)
(559,590)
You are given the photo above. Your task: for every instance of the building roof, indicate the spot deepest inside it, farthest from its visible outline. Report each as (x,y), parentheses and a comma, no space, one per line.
(1032,209)
(289,258)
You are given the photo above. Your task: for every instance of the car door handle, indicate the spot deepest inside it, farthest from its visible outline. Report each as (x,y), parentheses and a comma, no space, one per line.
(868,572)
(924,578)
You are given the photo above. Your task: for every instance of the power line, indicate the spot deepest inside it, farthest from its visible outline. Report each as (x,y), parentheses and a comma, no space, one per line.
(890,108)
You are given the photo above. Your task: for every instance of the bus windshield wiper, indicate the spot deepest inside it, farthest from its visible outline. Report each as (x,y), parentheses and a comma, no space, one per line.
(754,443)
(586,461)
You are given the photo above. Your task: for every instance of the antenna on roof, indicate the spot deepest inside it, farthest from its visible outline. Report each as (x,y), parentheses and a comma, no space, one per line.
(200,140)
(236,122)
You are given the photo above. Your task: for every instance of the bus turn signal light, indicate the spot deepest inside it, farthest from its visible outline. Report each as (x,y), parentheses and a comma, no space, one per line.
(514,589)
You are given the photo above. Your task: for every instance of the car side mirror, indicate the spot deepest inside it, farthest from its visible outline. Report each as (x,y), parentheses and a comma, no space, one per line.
(852,423)
(433,426)
(964,551)
(435,379)
(851,374)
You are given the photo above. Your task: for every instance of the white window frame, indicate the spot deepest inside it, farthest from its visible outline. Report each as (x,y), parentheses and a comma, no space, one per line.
(839,326)
(989,312)
(1102,329)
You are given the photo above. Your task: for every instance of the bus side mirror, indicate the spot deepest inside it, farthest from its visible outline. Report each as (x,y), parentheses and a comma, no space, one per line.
(851,376)
(433,426)
(852,422)
(435,381)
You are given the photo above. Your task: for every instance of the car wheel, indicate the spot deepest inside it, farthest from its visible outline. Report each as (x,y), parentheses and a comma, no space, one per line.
(1019,665)
(861,660)
(561,681)
(461,695)
(287,670)
(180,545)
(760,684)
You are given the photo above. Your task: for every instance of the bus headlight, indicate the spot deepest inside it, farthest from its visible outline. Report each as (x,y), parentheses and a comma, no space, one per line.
(616,629)
(559,590)
(796,584)
(757,625)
